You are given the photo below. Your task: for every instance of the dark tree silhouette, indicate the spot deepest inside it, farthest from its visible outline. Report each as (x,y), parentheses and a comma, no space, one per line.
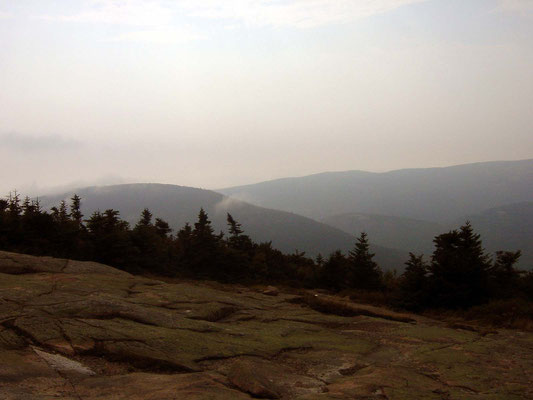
(413,286)
(364,273)
(334,272)
(75,210)
(459,269)
(503,276)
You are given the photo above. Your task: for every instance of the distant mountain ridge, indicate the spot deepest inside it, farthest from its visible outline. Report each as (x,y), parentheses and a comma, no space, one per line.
(508,227)
(179,204)
(431,194)
(399,233)
(406,208)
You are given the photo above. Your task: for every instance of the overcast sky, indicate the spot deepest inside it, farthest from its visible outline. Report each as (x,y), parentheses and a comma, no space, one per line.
(214,93)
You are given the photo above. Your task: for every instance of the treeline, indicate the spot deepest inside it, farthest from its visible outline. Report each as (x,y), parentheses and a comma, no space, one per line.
(458,275)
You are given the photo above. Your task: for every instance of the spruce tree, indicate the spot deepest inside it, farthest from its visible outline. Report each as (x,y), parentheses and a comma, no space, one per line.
(237,240)
(146,218)
(503,276)
(234,227)
(162,227)
(364,272)
(413,288)
(203,255)
(334,272)
(459,269)
(75,210)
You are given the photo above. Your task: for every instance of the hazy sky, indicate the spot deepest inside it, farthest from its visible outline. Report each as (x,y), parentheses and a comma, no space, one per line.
(213,93)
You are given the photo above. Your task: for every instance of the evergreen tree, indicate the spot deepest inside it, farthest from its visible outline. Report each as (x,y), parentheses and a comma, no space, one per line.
(75,210)
(237,240)
(234,227)
(152,244)
(413,287)
(503,276)
(27,206)
(60,214)
(459,269)
(203,253)
(110,238)
(202,228)
(334,272)
(146,218)
(14,208)
(162,227)
(364,273)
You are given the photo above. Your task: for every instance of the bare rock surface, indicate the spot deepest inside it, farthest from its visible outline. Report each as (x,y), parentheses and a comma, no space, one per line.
(81,330)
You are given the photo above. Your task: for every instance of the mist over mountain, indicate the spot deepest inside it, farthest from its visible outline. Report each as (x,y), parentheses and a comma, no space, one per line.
(430,194)
(178,205)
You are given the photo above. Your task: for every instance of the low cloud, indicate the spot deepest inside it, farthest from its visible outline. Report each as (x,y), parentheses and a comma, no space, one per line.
(4,15)
(228,204)
(34,189)
(18,141)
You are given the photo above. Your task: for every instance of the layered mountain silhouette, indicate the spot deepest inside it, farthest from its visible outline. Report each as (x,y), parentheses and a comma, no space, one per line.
(400,233)
(429,194)
(405,209)
(507,227)
(178,204)
(400,210)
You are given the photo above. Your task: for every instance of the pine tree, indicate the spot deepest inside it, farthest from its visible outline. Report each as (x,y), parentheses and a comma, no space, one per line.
(364,272)
(162,227)
(459,269)
(334,272)
(503,276)
(14,206)
(413,288)
(202,228)
(237,240)
(234,227)
(146,218)
(75,210)
(60,214)
(203,254)
(111,240)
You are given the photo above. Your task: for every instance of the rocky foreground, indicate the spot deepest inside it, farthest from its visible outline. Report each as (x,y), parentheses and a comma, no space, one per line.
(81,330)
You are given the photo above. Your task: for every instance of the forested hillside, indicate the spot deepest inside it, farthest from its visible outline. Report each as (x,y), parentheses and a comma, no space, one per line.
(179,204)
(459,275)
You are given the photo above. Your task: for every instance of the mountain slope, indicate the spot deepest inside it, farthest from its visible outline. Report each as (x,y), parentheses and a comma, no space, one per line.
(508,227)
(432,194)
(178,205)
(400,233)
